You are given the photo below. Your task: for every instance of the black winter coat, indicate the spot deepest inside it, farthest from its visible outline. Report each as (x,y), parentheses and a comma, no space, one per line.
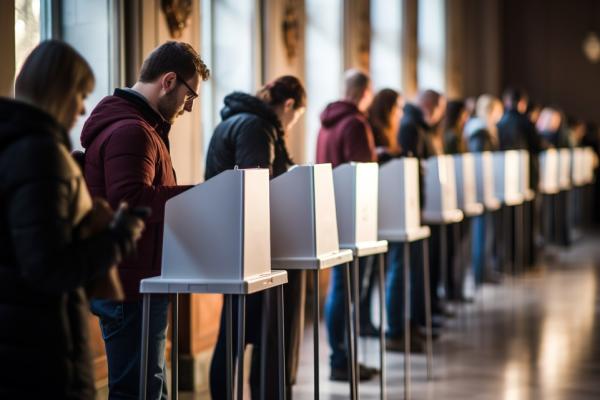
(481,140)
(249,136)
(44,262)
(517,132)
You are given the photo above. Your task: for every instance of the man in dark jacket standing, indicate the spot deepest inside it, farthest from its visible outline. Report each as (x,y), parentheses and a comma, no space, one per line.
(517,132)
(127,159)
(345,136)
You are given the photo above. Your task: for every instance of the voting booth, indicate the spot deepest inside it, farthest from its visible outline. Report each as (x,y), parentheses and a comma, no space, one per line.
(506,177)
(466,189)
(304,219)
(589,165)
(440,191)
(217,240)
(399,203)
(356,196)
(304,236)
(484,179)
(564,169)
(524,176)
(549,171)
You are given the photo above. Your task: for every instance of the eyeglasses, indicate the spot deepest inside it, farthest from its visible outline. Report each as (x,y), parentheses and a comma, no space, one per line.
(190,97)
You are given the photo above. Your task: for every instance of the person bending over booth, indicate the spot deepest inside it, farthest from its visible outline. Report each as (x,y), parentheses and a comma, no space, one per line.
(345,136)
(252,134)
(127,158)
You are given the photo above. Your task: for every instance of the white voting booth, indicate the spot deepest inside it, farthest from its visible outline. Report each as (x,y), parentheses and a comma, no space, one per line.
(524,176)
(217,240)
(589,165)
(549,172)
(399,204)
(303,219)
(440,191)
(564,169)
(506,177)
(304,233)
(218,232)
(356,196)
(484,178)
(578,166)
(466,189)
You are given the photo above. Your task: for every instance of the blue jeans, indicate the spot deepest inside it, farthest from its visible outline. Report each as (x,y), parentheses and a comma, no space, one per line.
(335,313)
(478,226)
(121,325)
(395,287)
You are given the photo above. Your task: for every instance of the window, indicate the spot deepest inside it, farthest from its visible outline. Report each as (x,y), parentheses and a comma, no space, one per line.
(92,27)
(27,29)
(431,67)
(324,66)
(386,44)
(230,47)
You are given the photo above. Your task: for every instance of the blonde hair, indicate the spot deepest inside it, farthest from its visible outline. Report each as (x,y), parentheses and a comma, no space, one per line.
(51,76)
(485,105)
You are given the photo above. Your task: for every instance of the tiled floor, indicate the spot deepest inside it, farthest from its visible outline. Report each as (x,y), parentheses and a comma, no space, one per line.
(537,337)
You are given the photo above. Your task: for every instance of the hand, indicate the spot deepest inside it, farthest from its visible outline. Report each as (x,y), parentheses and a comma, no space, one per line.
(127,228)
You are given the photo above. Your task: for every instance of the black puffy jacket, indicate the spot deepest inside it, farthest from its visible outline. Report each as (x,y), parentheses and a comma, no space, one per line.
(250,135)
(44,261)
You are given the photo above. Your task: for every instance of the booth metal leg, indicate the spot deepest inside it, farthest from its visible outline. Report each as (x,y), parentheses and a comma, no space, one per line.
(264,342)
(144,350)
(506,237)
(241,316)
(444,260)
(527,235)
(316,321)
(382,390)
(406,320)
(175,348)
(428,333)
(228,299)
(349,333)
(281,341)
(519,236)
(458,271)
(356,308)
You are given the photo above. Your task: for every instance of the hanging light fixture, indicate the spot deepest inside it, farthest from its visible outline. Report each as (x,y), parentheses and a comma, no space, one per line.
(591,47)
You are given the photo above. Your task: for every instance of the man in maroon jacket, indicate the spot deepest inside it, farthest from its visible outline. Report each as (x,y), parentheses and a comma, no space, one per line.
(127,159)
(345,136)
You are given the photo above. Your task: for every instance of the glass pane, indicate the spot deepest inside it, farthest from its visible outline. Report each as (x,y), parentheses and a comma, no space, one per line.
(27,29)
(323,64)
(432,52)
(386,44)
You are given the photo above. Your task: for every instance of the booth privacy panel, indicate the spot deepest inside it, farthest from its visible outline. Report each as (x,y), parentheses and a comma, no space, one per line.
(399,205)
(356,194)
(219,229)
(303,215)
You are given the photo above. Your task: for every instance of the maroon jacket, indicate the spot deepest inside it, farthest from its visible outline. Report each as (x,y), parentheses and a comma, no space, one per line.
(345,135)
(127,159)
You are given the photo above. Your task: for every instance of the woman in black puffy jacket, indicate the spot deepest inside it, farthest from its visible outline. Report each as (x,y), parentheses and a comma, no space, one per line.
(54,239)
(251,135)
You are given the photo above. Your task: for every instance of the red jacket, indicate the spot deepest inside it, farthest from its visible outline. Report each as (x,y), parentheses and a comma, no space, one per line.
(127,159)
(345,135)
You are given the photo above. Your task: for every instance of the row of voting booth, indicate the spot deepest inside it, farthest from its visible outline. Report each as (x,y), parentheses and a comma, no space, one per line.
(238,233)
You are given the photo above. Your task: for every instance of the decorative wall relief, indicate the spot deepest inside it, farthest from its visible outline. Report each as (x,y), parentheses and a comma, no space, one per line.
(177,13)
(291,29)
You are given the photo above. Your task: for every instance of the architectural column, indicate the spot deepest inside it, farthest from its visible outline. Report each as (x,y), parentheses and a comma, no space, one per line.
(356,34)
(410,48)
(7,47)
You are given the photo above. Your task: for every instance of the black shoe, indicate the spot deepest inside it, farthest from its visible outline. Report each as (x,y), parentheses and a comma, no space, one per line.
(369,331)
(396,344)
(341,374)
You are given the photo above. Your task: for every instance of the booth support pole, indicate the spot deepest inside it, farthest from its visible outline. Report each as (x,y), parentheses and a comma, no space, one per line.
(406,320)
(281,341)
(241,316)
(175,348)
(316,321)
(349,333)
(428,332)
(382,389)
(144,349)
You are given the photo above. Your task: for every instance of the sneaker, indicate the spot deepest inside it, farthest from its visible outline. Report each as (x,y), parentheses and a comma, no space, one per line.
(365,373)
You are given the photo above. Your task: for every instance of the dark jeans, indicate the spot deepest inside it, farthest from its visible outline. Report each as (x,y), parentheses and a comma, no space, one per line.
(478,226)
(121,324)
(395,287)
(335,313)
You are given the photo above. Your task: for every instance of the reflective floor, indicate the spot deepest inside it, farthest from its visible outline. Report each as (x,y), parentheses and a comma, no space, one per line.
(536,337)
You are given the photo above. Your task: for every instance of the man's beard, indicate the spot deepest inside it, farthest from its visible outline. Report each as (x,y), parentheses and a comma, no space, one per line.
(167,107)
